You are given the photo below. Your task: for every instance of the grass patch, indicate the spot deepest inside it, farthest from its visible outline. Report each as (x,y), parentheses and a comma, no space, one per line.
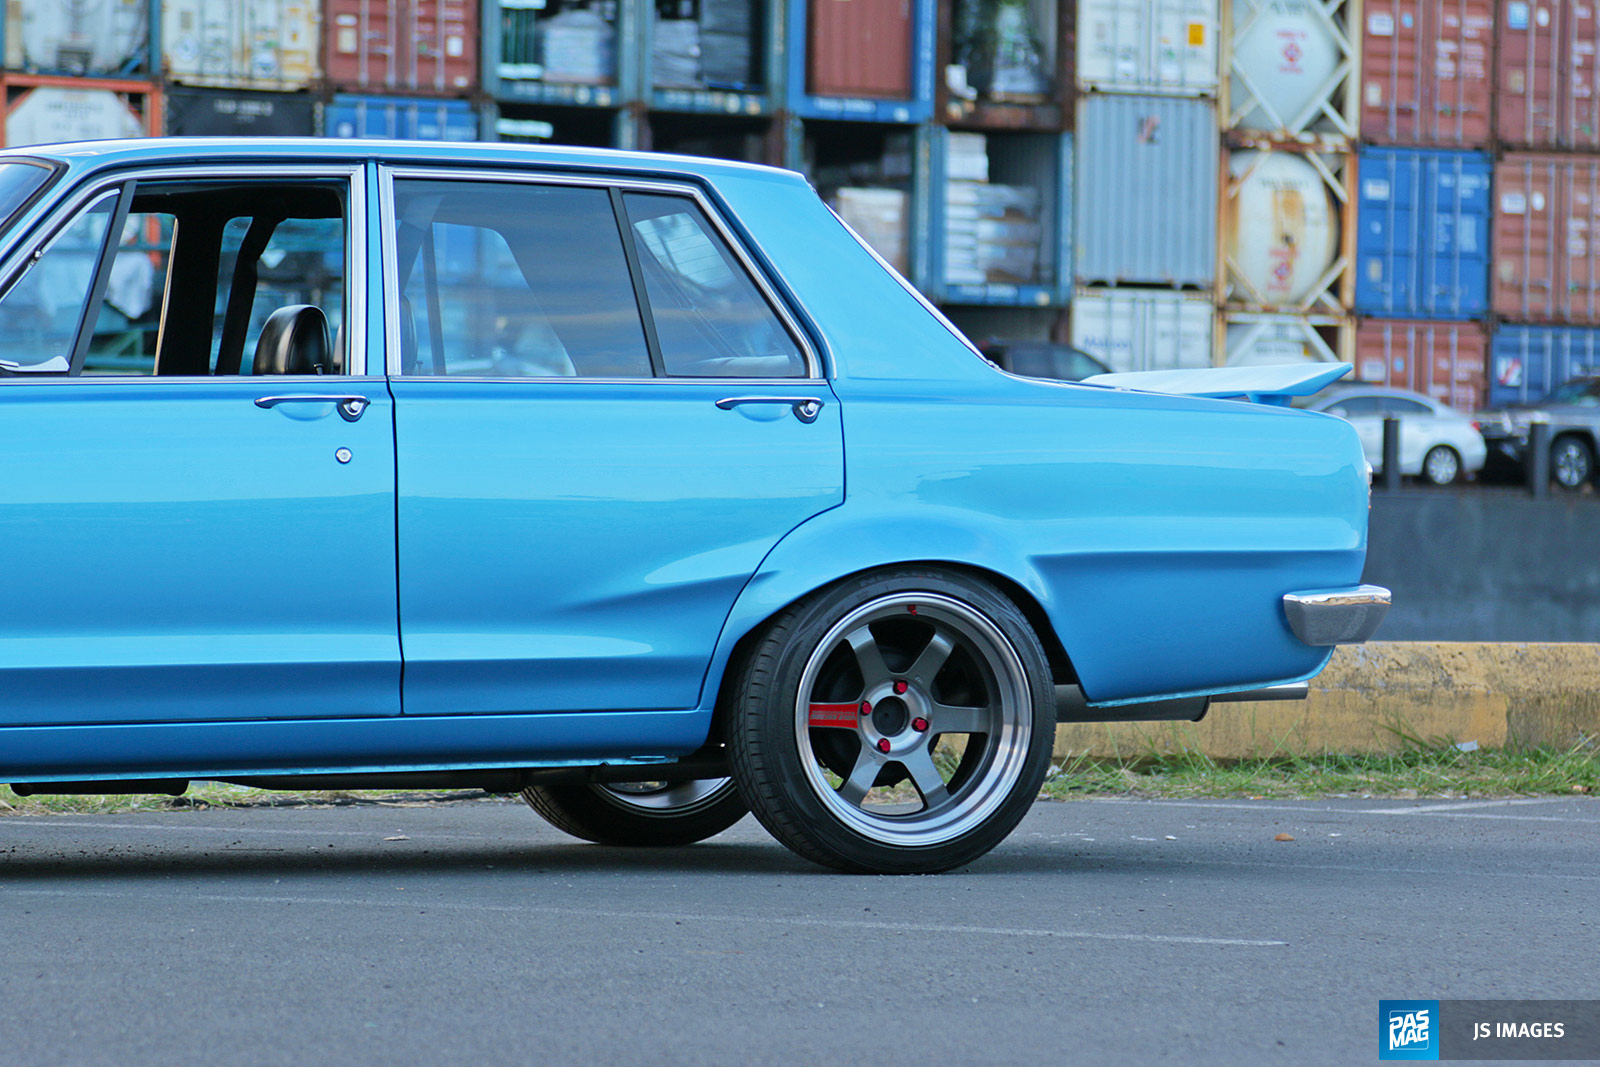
(1419,770)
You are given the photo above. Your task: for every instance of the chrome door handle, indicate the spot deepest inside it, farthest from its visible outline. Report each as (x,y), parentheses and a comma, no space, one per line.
(806,408)
(350,407)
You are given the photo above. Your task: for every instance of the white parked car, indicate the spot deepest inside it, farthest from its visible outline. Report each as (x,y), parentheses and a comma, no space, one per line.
(1437,443)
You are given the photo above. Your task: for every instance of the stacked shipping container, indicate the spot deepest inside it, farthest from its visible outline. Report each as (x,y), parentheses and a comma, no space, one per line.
(1145,209)
(1148,164)
(1424,199)
(1289,102)
(1002,173)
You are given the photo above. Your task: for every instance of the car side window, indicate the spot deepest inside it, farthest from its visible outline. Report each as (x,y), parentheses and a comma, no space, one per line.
(1399,405)
(187,283)
(41,313)
(710,319)
(514,279)
(1358,405)
(302,262)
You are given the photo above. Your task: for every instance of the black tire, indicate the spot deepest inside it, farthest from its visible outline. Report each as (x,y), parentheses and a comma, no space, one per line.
(650,814)
(1571,462)
(918,648)
(1441,466)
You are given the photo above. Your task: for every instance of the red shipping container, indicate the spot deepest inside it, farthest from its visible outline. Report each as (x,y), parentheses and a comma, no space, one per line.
(1425,69)
(1445,360)
(400,46)
(859,48)
(1547,238)
(1545,75)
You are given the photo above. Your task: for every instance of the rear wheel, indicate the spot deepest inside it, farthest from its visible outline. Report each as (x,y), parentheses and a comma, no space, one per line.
(1571,462)
(1441,465)
(643,813)
(897,723)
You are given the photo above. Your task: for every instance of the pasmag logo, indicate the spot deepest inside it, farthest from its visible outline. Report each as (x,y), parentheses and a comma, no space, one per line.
(1408,1029)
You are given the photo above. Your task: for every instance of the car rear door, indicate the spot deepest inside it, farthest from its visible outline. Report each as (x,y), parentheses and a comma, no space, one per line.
(604,421)
(185,537)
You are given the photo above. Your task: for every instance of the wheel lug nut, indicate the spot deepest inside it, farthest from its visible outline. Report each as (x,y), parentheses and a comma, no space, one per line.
(866,709)
(883,744)
(900,687)
(920,725)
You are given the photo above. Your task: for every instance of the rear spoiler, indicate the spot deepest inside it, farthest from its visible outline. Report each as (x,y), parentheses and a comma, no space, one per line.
(1264,385)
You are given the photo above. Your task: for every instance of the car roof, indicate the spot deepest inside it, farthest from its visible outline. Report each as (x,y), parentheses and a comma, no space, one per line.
(99,154)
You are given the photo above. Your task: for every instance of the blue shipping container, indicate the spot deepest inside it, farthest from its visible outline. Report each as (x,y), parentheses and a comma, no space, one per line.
(1422,223)
(1526,362)
(400,119)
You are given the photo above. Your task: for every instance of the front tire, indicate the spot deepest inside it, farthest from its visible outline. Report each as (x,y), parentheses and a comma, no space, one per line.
(897,723)
(1441,466)
(647,814)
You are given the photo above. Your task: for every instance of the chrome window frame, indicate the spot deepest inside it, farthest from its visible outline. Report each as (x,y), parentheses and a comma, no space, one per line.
(388,173)
(356,269)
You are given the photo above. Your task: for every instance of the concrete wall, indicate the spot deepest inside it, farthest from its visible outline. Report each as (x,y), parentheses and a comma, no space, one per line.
(1488,564)
(1372,697)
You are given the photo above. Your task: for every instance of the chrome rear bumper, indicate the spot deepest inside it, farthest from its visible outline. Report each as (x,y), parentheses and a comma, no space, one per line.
(1336,616)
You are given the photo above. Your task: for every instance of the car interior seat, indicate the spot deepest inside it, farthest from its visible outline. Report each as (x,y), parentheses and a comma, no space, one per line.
(294,340)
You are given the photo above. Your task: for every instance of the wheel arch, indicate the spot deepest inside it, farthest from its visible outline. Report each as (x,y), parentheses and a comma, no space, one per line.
(792,572)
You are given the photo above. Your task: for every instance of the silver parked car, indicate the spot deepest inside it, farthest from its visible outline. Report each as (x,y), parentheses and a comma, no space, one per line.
(1437,443)
(1573,411)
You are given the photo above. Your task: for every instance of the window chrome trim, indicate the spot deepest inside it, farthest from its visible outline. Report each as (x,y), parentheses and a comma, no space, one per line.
(353,174)
(390,172)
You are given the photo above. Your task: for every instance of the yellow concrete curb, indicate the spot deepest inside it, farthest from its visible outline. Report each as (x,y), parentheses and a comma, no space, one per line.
(1372,697)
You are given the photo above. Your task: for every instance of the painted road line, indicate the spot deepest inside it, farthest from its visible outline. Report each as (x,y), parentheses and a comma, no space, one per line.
(1453,806)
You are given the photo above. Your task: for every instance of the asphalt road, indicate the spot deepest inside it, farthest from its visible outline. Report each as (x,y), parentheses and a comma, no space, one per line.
(1102,932)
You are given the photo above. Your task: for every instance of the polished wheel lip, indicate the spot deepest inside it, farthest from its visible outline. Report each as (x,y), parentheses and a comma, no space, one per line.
(1001,764)
(669,799)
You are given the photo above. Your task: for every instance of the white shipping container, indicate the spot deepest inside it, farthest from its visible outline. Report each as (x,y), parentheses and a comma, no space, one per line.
(51,114)
(77,36)
(263,44)
(1148,46)
(1292,69)
(1276,340)
(1143,329)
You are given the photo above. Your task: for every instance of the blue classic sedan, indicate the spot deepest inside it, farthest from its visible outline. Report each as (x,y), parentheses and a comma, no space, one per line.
(635,484)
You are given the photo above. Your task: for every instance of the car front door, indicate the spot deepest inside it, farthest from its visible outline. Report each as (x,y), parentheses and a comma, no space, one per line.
(604,421)
(198,514)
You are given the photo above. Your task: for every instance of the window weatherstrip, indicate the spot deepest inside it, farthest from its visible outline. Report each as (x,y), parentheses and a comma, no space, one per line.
(110,244)
(647,314)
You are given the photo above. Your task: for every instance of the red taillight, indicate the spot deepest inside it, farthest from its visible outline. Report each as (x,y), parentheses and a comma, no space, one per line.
(1476,425)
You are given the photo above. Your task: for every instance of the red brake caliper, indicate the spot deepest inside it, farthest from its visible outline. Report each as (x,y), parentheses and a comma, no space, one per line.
(841,716)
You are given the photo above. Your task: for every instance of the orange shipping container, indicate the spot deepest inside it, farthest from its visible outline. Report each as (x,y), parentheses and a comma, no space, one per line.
(1445,360)
(400,46)
(859,48)
(1546,74)
(1547,238)
(1425,67)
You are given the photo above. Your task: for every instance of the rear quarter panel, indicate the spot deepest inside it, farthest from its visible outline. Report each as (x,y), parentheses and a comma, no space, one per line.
(1158,534)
